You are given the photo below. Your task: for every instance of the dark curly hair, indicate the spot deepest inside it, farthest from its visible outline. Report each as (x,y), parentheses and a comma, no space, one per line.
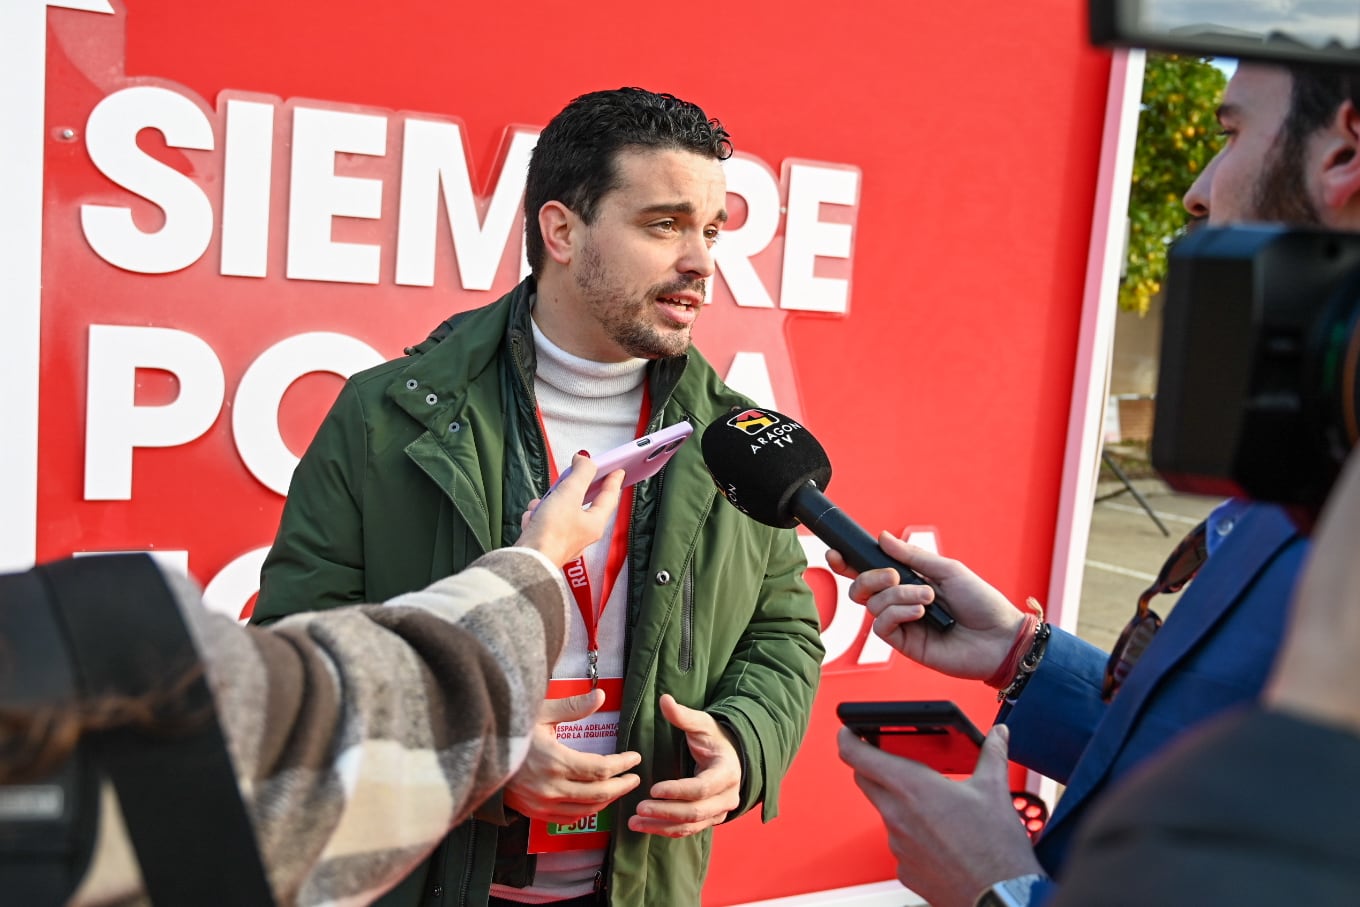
(573,162)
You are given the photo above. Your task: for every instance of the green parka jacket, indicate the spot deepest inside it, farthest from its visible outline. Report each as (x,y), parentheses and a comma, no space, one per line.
(426,462)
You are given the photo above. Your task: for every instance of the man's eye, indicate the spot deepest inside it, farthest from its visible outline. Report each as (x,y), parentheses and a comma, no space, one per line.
(664,225)
(712,234)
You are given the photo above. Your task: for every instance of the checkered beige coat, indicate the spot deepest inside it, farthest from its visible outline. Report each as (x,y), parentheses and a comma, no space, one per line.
(361,735)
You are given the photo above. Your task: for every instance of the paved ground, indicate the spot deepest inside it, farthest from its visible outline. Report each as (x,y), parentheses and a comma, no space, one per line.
(1126,550)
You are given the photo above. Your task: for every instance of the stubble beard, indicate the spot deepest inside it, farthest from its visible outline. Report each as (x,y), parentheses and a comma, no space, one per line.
(1280,194)
(629,321)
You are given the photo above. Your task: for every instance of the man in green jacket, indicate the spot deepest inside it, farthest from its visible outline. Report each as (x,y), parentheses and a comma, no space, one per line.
(685,687)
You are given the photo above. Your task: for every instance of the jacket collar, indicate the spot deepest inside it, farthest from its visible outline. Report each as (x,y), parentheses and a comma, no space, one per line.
(1261,532)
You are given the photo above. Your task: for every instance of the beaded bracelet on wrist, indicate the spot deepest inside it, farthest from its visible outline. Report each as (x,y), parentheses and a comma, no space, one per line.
(1028,664)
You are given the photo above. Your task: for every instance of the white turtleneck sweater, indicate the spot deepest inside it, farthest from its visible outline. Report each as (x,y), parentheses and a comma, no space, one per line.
(590,406)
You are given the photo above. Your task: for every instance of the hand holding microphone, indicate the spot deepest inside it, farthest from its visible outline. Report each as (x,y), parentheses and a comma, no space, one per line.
(772,469)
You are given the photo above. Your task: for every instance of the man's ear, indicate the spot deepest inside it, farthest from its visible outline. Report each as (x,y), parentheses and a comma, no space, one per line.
(1340,159)
(560,228)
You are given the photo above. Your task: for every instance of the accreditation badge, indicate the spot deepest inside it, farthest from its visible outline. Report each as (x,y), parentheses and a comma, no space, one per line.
(597,733)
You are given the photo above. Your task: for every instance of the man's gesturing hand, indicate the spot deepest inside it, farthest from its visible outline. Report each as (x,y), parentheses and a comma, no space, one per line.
(686,806)
(559,784)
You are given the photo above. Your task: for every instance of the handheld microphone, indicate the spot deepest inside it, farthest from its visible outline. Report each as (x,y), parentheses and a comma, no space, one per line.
(773,470)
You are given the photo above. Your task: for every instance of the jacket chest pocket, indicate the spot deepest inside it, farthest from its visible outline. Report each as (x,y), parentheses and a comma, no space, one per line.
(681,621)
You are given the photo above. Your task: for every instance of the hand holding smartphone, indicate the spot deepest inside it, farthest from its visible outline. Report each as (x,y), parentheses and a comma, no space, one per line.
(936,732)
(639,459)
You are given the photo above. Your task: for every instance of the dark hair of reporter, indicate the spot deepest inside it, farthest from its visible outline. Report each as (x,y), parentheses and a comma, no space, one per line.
(34,742)
(573,162)
(1316,94)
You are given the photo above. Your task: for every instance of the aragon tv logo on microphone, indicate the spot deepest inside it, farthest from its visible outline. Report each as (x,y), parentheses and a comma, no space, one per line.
(764,427)
(753,421)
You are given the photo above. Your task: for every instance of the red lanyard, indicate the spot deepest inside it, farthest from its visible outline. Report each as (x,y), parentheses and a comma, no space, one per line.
(577,576)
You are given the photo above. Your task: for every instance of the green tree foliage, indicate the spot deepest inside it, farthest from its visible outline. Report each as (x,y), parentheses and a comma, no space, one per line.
(1178,135)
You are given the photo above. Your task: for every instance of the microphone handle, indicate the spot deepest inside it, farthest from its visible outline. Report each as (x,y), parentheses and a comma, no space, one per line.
(860,550)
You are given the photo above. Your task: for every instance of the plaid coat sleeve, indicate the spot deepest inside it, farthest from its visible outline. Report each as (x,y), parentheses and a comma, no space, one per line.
(361,735)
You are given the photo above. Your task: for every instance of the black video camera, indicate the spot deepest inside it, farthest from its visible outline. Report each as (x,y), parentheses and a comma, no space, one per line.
(1257,391)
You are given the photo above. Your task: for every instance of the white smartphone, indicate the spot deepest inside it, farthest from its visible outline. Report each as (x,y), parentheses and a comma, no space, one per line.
(640,458)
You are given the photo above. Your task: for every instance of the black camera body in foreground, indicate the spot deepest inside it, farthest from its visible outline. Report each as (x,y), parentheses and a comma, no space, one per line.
(1257,392)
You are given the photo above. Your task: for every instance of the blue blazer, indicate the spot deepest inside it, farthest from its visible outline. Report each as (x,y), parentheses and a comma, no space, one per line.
(1214,652)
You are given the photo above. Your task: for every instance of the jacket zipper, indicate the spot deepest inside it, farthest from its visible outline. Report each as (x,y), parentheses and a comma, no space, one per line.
(469,858)
(527,384)
(687,621)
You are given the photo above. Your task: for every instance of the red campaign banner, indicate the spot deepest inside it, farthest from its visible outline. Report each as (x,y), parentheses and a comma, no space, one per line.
(213,212)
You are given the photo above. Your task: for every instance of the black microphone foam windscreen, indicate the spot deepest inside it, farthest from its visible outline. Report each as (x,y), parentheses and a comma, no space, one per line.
(759,458)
